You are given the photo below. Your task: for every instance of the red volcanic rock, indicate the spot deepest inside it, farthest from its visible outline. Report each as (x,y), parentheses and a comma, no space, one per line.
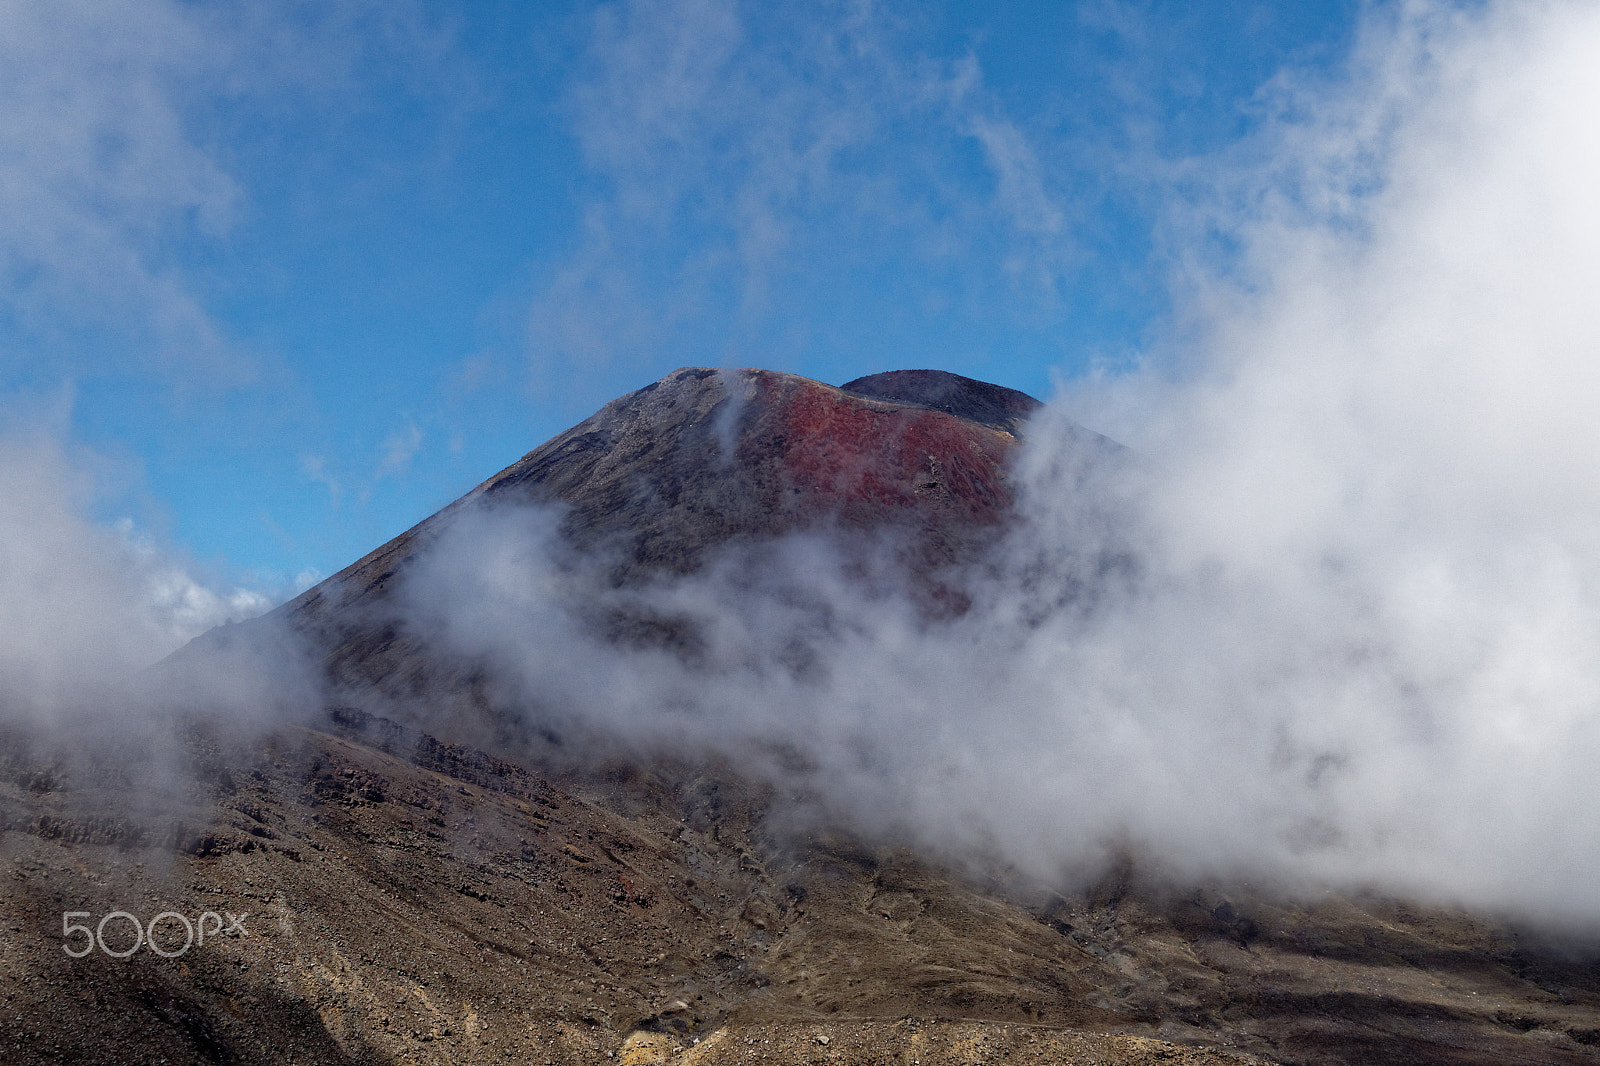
(703,457)
(872,461)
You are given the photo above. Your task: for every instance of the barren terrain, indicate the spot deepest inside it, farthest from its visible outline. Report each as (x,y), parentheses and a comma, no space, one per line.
(383,891)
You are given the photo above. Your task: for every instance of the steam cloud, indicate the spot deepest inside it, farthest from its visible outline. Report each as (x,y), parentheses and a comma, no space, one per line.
(87,607)
(104,174)
(1353,635)
(1350,629)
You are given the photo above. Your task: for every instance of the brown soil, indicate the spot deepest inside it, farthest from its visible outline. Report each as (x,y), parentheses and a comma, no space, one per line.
(410,901)
(402,899)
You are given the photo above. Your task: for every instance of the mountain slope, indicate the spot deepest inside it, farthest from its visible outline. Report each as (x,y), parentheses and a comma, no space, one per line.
(410,899)
(701,460)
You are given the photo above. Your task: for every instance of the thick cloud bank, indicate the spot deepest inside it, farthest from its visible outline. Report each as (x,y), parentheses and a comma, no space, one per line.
(1339,623)
(86,606)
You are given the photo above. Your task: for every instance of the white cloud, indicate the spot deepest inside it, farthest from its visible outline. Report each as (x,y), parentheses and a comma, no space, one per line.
(735,154)
(99,165)
(315,469)
(115,163)
(1376,505)
(85,606)
(399,448)
(1339,623)
(181,606)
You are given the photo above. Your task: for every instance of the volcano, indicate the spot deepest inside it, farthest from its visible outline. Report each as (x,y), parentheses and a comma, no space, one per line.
(405,893)
(702,461)
(706,458)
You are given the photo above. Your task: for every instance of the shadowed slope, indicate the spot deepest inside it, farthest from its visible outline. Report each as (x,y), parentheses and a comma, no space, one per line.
(413,901)
(416,900)
(989,405)
(704,458)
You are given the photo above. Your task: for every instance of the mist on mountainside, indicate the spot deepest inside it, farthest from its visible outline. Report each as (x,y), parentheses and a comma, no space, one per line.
(1335,621)
(1337,625)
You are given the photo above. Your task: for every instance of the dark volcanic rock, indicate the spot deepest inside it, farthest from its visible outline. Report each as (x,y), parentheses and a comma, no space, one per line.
(411,899)
(705,458)
(977,401)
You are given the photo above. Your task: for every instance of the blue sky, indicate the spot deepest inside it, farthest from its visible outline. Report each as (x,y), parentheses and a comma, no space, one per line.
(286,280)
(278,280)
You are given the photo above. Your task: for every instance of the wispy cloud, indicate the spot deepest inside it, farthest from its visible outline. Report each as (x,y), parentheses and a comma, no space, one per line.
(315,469)
(100,165)
(399,449)
(86,605)
(1351,632)
(737,158)
(118,161)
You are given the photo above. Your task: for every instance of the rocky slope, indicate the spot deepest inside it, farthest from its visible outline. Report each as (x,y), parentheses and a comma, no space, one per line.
(703,459)
(405,900)
(409,899)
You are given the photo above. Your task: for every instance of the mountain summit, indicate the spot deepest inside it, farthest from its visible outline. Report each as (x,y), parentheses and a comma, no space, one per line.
(394,894)
(706,458)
